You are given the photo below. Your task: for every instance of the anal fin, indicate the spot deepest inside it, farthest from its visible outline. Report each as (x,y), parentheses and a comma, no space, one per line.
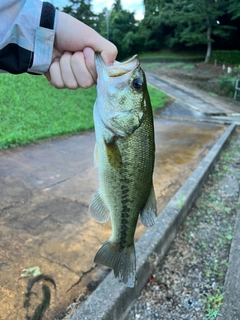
(98,210)
(149,213)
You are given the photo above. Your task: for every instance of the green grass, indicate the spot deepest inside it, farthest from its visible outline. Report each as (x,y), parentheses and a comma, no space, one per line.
(175,65)
(31,109)
(213,303)
(150,65)
(189,67)
(158,98)
(171,55)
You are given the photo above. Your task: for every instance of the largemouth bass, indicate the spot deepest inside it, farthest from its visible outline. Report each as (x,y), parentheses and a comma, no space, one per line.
(124,154)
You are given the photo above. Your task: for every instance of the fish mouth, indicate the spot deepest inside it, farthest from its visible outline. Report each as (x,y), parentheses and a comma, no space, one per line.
(118,68)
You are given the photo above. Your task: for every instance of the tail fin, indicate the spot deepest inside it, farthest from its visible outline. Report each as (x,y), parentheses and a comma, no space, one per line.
(121,260)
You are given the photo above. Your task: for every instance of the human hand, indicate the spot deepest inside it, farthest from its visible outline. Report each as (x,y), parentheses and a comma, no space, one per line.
(73,60)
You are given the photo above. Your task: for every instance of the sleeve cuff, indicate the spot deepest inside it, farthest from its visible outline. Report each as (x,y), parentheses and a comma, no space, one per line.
(44,40)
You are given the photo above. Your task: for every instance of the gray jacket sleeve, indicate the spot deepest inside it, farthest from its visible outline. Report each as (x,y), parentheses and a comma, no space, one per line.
(27,30)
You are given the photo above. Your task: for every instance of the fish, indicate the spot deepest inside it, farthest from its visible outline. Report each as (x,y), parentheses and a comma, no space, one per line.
(124,155)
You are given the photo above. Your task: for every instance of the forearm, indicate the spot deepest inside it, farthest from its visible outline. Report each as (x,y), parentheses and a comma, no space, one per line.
(27,30)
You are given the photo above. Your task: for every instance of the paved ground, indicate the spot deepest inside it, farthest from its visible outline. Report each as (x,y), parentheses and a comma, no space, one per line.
(195,104)
(45,191)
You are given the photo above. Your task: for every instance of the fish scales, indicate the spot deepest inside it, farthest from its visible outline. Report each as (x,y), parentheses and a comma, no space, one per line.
(125,158)
(131,194)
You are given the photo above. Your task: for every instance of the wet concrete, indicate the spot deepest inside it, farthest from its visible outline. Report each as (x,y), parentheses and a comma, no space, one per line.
(194,104)
(45,192)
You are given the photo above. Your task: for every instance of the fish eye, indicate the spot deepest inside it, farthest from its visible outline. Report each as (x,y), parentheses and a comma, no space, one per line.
(137,84)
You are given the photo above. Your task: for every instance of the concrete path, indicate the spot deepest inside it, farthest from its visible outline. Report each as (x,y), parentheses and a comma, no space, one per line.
(193,104)
(45,192)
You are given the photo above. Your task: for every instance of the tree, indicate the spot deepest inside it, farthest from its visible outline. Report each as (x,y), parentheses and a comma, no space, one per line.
(81,10)
(122,30)
(152,26)
(196,21)
(234,8)
(101,23)
(186,22)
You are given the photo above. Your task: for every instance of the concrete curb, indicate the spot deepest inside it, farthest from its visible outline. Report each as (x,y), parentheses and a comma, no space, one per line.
(112,300)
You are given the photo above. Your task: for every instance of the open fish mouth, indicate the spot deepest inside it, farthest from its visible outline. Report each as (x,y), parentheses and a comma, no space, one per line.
(117,69)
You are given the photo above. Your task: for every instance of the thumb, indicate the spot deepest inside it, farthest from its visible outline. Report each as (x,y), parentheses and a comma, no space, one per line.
(73,35)
(108,51)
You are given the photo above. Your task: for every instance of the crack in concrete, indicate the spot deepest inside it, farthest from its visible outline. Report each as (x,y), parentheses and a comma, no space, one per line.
(8,207)
(44,219)
(56,183)
(59,264)
(82,276)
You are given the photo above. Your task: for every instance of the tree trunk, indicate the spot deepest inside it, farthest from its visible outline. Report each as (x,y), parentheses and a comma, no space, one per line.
(209,44)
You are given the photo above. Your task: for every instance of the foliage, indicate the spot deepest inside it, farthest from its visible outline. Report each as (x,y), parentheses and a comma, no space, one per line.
(151,27)
(213,303)
(81,10)
(122,30)
(226,56)
(31,109)
(169,54)
(167,24)
(227,85)
(234,9)
(196,22)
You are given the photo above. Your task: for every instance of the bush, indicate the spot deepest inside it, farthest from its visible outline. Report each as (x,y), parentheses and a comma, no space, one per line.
(227,85)
(224,86)
(226,56)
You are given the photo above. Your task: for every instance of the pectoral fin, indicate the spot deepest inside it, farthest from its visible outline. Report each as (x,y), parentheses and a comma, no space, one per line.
(114,155)
(98,210)
(149,213)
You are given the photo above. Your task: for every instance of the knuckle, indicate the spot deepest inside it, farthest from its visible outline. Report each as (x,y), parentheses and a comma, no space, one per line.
(71,85)
(77,55)
(87,83)
(57,85)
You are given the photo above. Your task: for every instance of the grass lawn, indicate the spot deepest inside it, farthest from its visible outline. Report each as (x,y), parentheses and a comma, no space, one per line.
(171,55)
(31,109)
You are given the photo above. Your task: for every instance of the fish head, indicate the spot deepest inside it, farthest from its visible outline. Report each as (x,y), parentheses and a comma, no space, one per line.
(120,95)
